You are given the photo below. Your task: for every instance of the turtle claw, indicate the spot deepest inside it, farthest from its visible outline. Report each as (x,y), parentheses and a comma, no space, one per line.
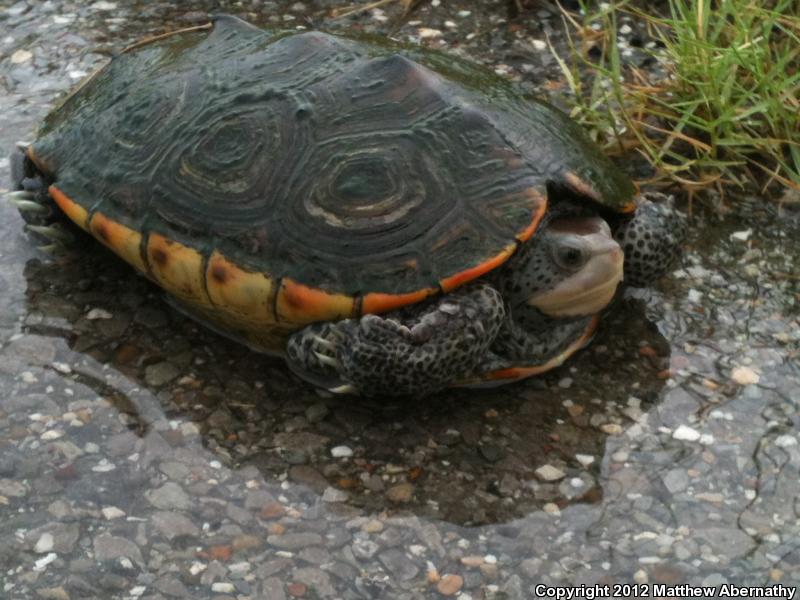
(51,232)
(23,146)
(327,360)
(344,389)
(50,248)
(325,344)
(29,206)
(20,195)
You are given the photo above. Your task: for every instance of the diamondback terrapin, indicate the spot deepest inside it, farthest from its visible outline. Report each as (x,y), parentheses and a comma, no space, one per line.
(391,220)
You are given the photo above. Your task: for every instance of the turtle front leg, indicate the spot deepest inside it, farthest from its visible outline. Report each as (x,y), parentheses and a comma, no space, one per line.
(651,240)
(30,197)
(409,352)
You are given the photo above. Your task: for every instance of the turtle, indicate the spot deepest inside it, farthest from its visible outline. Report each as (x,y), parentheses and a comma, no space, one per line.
(391,220)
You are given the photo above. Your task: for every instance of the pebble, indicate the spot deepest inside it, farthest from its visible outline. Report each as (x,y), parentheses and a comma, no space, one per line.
(676,480)
(549,473)
(169,496)
(402,492)
(372,526)
(44,544)
(744,376)
(331,494)
(223,587)
(341,452)
(19,57)
(611,428)
(40,564)
(551,508)
(160,373)
(686,434)
(449,584)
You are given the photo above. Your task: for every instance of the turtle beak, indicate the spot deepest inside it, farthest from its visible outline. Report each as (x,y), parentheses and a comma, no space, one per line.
(591,287)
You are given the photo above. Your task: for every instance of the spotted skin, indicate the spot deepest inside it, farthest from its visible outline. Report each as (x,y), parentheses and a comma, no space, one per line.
(529,337)
(652,241)
(412,352)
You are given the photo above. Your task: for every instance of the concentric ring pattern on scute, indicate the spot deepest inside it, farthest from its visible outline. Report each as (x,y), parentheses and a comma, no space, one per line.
(306,156)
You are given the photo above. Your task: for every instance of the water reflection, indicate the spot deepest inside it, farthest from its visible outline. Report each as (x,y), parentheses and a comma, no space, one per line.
(486,444)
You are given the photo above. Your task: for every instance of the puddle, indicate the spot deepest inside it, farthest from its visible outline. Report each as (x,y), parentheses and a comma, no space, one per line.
(143,456)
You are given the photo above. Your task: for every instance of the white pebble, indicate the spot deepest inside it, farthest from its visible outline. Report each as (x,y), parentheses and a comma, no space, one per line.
(741,236)
(98,313)
(104,466)
(112,512)
(40,564)
(625,29)
(785,441)
(341,452)
(686,433)
(539,45)
(427,32)
(223,587)
(45,543)
(584,459)
(51,434)
(490,559)
(551,508)
(103,5)
(550,473)
(21,56)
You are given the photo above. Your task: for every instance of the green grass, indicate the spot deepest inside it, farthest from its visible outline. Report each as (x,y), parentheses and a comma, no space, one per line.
(725,109)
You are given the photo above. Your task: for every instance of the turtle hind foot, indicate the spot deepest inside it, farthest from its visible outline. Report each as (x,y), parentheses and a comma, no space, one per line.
(43,220)
(311,355)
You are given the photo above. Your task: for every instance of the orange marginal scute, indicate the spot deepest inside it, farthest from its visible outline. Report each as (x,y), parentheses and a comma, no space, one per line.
(298,303)
(450,283)
(73,210)
(377,302)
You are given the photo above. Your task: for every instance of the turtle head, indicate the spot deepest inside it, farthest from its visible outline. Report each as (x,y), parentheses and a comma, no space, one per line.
(570,269)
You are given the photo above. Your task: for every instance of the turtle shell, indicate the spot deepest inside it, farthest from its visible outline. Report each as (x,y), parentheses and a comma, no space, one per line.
(271,179)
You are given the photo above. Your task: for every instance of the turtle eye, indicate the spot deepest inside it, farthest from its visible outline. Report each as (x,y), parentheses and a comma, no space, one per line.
(570,256)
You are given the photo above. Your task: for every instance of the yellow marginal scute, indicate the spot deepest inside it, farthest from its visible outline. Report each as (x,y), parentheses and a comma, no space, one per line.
(246,294)
(124,241)
(177,268)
